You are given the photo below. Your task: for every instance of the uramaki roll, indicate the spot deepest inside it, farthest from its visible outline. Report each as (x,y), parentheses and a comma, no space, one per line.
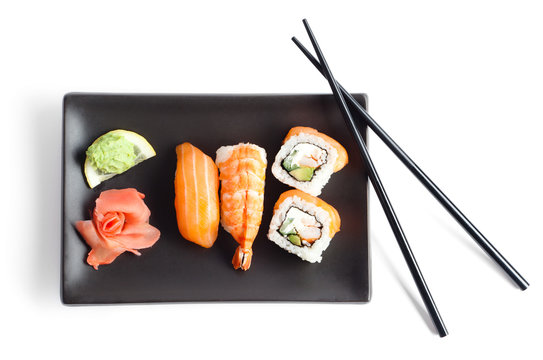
(307,159)
(303,225)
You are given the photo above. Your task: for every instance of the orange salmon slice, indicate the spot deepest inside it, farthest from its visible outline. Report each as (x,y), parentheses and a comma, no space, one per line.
(196,195)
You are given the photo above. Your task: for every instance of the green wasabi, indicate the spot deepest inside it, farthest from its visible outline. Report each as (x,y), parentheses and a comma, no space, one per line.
(112,154)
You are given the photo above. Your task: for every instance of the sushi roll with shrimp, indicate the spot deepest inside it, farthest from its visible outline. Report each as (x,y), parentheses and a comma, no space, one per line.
(307,159)
(303,225)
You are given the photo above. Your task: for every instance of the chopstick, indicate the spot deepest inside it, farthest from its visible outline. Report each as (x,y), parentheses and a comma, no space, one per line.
(381,194)
(426,181)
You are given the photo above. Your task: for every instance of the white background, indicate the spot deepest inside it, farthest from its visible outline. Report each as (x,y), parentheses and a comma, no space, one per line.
(459,85)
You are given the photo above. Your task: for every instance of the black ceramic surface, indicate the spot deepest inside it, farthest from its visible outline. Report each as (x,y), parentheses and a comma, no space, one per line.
(174,269)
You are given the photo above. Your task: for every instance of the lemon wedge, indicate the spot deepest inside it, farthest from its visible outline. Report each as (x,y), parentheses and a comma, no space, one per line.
(126,156)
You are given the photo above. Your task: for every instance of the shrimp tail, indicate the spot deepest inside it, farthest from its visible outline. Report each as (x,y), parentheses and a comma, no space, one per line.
(242,258)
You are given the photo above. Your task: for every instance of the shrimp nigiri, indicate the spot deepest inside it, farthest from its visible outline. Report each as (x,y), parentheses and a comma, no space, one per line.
(242,170)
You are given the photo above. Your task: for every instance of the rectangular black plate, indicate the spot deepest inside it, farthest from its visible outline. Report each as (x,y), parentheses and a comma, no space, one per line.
(174,269)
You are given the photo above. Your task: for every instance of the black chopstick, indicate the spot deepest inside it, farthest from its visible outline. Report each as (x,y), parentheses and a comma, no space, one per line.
(426,181)
(381,194)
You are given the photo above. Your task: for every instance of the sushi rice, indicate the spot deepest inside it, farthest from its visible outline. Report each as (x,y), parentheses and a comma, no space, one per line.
(313,252)
(322,173)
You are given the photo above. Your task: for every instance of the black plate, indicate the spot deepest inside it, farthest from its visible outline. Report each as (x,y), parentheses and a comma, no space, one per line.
(174,269)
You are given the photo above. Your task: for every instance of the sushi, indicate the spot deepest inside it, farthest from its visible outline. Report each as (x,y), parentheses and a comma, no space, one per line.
(307,159)
(303,225)
(242,171)
(196,195)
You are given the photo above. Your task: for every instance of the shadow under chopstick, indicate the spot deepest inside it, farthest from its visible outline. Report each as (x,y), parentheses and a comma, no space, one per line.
(465,240)
(376,246)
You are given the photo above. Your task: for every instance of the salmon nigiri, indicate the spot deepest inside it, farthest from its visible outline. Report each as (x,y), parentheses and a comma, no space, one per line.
(196,195)
(242,173)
